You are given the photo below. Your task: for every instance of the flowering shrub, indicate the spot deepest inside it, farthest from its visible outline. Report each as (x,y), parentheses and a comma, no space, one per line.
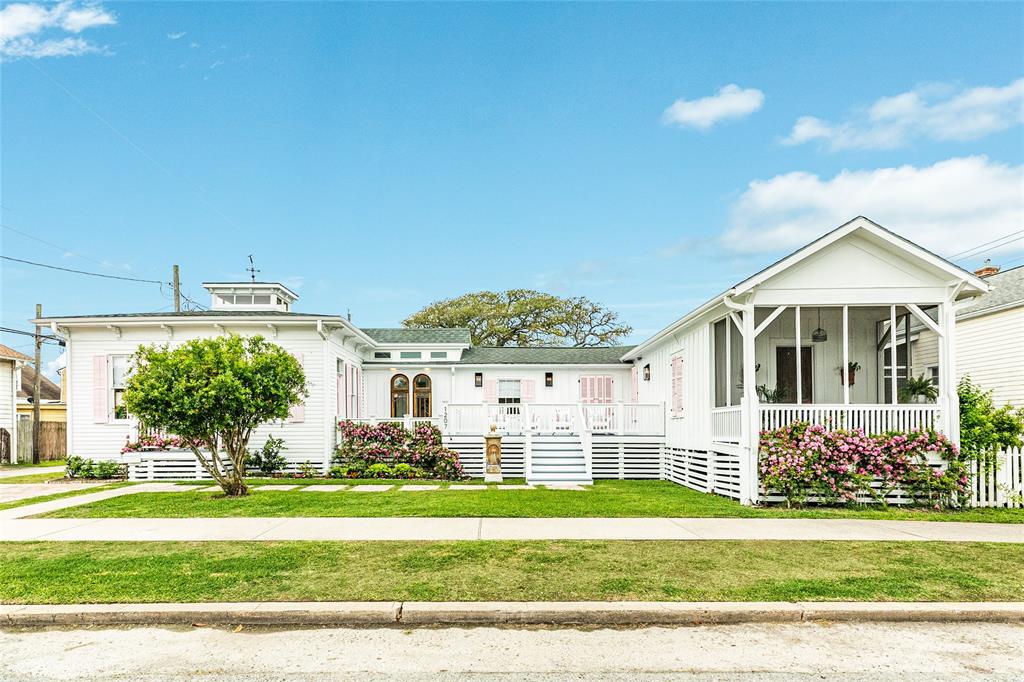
(800,461)
(421,450)
(155,442)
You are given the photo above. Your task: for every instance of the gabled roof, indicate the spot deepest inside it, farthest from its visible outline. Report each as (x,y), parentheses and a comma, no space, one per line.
(860,223)
(8,353)
(387,335)
(512,355)
(47,389)
(1007,292)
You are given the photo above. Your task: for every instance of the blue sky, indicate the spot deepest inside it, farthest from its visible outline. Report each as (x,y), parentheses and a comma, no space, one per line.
(377,157)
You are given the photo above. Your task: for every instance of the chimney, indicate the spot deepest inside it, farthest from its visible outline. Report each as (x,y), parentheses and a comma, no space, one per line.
(987,270)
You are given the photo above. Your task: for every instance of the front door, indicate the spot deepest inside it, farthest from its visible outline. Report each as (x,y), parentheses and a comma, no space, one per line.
(785,373)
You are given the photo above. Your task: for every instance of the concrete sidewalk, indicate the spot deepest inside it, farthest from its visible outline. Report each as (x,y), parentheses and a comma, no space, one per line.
(375,529)
(345,614)
(14,472)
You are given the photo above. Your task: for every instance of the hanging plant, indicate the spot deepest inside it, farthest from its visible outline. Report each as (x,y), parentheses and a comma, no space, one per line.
(850,375)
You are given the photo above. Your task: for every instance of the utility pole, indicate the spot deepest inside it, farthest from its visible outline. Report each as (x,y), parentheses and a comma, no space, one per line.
(177,291)
(37,386)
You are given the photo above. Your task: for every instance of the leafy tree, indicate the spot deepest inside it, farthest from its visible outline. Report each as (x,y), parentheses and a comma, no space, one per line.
(523,317)
(984,428)
(213,393)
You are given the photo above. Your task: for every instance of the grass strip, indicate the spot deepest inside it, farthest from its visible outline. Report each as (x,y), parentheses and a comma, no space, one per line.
(603,499)
(58,495)
(111,572)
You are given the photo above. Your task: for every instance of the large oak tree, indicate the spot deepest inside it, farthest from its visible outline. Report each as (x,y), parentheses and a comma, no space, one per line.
(523,317)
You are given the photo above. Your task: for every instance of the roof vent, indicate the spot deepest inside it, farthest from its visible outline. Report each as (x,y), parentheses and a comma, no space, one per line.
(987,270)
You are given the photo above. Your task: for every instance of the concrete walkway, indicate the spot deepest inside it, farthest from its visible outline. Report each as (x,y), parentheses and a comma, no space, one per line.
(15,526)
(14,472)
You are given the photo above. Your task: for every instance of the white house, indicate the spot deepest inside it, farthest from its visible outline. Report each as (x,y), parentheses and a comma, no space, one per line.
(685,405)
(990,330)
(11,362)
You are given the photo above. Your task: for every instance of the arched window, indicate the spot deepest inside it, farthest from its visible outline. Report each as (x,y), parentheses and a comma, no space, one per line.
(399,395)
(421,396)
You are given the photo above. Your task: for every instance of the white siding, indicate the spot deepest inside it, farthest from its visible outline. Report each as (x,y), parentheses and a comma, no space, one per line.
(692,428)
(306,440)
(990,349)
(7,402)
(566,380)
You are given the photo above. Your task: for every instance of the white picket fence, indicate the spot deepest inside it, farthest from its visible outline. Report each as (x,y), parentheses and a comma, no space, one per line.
(1003,487)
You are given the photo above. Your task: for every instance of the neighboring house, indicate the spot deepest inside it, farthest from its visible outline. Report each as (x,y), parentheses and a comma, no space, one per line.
(11,365)
(686,405)
(990,339)
(52,407)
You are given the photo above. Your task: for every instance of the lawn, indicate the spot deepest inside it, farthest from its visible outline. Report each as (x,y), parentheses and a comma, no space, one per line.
(603,499)
(32,478)
(70,572)
(58,494)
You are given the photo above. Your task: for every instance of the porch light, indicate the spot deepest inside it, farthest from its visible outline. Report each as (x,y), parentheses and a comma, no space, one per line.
(647,372)
(549,379)
(819,334)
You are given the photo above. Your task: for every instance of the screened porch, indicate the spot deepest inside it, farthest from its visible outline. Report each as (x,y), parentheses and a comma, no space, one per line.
(876,368)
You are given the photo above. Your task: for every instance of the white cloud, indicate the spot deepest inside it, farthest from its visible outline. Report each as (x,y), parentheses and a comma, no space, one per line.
(34,30)
(936,112)
(176,36)
(948,207)
(55,365)
(731,102)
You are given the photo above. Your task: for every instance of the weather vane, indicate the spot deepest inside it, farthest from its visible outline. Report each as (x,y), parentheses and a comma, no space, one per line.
(252,269)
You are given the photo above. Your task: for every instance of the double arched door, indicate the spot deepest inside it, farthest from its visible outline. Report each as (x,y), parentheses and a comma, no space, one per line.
(418,394)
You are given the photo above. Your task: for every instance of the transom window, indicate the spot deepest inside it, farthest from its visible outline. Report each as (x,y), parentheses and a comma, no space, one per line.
(411,355)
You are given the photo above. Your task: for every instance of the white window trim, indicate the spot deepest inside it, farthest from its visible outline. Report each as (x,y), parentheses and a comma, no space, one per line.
(111,389)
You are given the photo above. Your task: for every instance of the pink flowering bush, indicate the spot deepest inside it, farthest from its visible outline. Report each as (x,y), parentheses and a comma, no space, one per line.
(364,445)
(840,466)
(155,442)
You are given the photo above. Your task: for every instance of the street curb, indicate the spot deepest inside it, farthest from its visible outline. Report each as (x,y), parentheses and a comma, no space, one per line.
(380,614)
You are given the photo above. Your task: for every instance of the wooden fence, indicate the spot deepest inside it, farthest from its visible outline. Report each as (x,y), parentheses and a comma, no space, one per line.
(53,440)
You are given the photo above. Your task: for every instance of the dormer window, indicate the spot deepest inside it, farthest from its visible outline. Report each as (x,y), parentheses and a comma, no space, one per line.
(269,296)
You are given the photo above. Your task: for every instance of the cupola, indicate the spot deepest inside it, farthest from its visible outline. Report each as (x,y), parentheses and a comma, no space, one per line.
(250,296)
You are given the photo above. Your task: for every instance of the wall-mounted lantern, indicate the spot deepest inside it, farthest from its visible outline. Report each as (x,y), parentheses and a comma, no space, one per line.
(478,379)
(647,372)
(549,379)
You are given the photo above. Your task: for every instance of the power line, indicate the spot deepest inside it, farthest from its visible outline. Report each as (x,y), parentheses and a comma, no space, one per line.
(9,330)
(84,272)
(56,246)
(969,253)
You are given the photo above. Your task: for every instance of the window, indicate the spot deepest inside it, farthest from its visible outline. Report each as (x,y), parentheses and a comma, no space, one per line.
(382,354)
(399,395)
(410,355)
(261,299)
(439,354)
(478,379)
(933,374)
(243,299)
(549,379)
(421,396)
(118,375)
(510,391)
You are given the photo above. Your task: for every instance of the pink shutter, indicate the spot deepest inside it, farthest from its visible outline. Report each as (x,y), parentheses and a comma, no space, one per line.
(357,391)
(298,412)
(677,385)
(634,376)
(609,389)
(526,392)
(584,389)
(341,410)
(100,411)
(490,390)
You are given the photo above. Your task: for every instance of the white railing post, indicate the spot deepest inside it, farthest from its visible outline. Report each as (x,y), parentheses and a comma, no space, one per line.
(620,418)
(586,442)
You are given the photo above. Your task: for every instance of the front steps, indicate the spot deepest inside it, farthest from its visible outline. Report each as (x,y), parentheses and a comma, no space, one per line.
(557,459)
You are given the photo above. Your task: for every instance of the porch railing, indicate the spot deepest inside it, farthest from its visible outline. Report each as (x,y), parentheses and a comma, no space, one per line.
(569,418)
(871,418)
(727,424)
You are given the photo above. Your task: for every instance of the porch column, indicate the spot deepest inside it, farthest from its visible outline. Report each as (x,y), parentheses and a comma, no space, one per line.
(947,370)
(752,412)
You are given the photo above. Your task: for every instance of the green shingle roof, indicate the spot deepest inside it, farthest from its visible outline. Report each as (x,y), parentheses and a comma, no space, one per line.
(197,313)
(1007,290)
(402,335)
(483,355)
